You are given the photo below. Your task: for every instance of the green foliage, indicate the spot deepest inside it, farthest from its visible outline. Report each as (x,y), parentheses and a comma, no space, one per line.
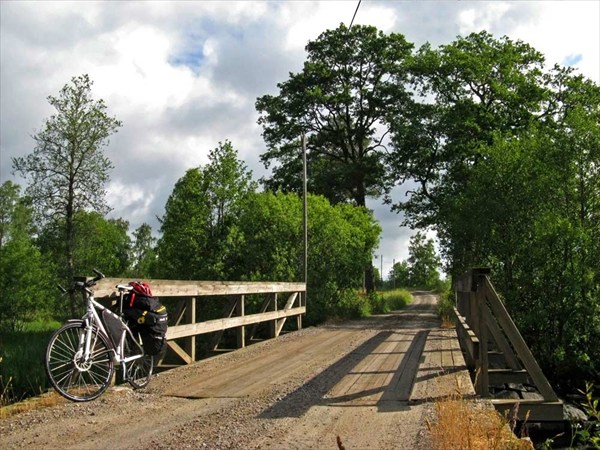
(588,434)
(445,308)
(67,170)
(341,242)
(351,82)
(350,304)
(24,272)
(143,252)
(21,360)
(400,274)
(506,159)
(100,243)
(199,229)
(395,299)
(423,262)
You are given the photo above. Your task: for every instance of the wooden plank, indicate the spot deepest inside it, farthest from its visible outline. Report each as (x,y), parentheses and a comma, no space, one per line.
(228,310)
(517,341)
(182,288)
(532,410)
(468,341)
(500,340)
(179,352)
(288,305)
(210,326)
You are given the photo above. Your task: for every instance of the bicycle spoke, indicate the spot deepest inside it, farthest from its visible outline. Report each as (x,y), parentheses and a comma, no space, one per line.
(72,375)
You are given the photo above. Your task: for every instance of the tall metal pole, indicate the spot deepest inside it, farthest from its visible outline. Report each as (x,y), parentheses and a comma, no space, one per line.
(305,208)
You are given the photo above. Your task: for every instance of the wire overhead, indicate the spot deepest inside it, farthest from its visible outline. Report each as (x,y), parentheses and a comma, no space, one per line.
(355,11)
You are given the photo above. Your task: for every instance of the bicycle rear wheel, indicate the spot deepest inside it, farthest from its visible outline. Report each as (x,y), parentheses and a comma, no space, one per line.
(139,371)
(71,375)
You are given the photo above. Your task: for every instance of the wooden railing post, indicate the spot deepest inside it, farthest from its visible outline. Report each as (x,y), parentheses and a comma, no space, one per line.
(241,331)
(483,364)
(190,317)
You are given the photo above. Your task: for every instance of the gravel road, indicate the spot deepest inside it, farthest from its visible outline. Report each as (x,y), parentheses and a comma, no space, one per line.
(365,384)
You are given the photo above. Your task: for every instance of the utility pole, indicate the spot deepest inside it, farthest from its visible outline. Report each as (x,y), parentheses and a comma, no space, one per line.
(305,219)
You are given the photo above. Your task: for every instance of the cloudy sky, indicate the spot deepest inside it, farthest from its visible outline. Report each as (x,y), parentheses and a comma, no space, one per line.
(182,76)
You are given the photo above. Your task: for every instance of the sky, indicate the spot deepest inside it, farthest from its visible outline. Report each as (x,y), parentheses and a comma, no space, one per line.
(183,76)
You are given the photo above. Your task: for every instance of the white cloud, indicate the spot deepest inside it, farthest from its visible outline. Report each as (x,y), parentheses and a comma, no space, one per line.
(564,29)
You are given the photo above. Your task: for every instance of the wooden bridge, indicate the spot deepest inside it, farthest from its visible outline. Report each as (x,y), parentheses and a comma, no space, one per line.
(494,351)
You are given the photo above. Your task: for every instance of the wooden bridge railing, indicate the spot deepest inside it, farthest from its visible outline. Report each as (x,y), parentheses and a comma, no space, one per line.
(181,298)
(495,351)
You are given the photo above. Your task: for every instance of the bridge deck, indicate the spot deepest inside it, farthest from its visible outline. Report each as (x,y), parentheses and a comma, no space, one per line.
(398,358)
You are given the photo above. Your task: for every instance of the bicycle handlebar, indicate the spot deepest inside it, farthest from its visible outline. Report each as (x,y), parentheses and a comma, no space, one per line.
(78,285)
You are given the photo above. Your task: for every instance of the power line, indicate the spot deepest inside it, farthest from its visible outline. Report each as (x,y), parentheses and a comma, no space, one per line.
(355,11)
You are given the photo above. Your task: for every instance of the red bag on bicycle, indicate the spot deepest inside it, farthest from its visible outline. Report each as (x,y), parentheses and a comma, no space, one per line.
(148,316)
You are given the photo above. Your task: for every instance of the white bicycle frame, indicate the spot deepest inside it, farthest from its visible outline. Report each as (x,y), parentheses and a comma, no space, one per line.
(92,318)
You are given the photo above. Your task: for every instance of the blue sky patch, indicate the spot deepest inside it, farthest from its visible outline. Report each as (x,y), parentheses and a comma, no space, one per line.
(572,60)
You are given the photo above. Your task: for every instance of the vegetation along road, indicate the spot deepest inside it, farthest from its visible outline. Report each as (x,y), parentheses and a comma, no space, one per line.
(368,382)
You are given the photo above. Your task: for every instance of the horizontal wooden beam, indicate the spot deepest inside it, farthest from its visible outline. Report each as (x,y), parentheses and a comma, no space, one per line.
(530,410)
(467,338)
(182,288)
(210,326)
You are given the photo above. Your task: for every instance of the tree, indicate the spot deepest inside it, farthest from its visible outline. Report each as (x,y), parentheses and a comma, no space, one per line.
(24,274)
(143,254)
(199,226)
(100,243)
(399,275)
(67,170)
(423,262)
(350,86)
(471,90)
(506,157)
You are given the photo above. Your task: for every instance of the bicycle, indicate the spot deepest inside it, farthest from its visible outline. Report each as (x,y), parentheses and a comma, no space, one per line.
(81,355)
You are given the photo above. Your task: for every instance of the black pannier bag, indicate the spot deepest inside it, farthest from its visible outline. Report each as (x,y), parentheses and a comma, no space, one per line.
(146,315)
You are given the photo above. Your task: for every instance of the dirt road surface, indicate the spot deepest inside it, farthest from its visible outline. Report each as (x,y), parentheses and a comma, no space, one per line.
(371,383)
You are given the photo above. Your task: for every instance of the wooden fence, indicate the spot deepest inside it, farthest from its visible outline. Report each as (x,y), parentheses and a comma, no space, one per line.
(181,299)
(496,353)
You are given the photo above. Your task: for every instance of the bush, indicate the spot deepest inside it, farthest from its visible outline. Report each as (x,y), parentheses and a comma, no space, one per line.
(396,299)
(446,307)
(351,304)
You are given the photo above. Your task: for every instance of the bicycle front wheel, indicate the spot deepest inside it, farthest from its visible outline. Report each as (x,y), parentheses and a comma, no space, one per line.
(72,375)
(139,371)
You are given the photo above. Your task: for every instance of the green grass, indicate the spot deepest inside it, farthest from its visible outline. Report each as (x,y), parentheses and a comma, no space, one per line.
(22,361)
(395,299)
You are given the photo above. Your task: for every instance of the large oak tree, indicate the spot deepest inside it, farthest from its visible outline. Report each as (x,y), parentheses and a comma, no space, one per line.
(343,99)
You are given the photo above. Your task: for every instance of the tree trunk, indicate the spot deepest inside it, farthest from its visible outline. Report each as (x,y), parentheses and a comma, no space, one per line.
(70,235)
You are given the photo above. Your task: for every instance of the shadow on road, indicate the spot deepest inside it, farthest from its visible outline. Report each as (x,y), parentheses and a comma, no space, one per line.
(390,396)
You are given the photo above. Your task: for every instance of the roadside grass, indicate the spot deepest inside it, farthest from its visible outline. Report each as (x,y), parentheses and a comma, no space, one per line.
(446,310)
(463,424)
(395,299)
(22,353)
